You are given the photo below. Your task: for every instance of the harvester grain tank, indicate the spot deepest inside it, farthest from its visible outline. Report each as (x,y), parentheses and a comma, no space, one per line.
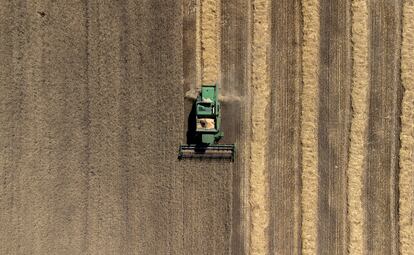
(205,128)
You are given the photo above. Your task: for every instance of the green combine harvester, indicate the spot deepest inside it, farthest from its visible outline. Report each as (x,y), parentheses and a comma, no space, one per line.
(204,128)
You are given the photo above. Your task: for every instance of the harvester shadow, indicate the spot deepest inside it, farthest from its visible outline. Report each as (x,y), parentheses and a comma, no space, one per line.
(192,137)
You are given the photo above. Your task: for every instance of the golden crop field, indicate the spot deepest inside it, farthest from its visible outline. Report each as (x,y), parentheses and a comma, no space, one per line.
(317,96)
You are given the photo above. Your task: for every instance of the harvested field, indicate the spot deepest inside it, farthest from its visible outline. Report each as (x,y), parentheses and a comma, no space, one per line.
(317,95)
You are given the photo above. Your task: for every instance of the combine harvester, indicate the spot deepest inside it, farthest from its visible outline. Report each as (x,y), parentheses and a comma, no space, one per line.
(204,130)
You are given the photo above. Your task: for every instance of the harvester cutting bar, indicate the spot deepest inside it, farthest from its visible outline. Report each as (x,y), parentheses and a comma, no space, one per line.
(216,151)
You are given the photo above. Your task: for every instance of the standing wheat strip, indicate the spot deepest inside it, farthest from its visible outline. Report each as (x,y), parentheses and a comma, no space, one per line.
(259,176)
(407,133)
(310,67)
(210,40)
(360,88)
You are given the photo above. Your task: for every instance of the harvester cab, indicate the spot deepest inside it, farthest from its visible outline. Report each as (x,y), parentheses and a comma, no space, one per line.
(207,128)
